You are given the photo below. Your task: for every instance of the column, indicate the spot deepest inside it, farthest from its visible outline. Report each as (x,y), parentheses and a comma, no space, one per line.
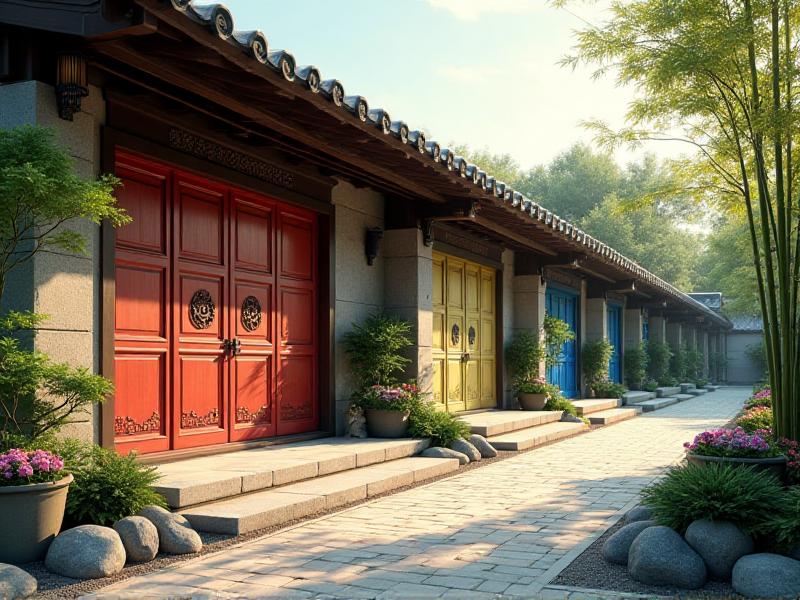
(596,319)
(704,350)
(529,312)
(658,328)
(674,334)
(632,327)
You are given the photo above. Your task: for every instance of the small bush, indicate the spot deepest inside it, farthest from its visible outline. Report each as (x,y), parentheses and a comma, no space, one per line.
(754,419)
(107,486)
(558,402)
(635,366)
(762,397)
(374,349)
(441,427)
(608,389)
(595,358)
(785,525)
(658,355)
(650,385)
(677,365)
(556,334)
(718,492)
(523,357)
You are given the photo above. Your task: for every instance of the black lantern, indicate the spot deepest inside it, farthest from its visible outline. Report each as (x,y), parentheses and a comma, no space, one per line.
(71,83)
(371,242)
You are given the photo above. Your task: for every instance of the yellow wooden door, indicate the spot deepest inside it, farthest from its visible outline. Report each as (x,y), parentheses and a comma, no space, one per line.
(463,334)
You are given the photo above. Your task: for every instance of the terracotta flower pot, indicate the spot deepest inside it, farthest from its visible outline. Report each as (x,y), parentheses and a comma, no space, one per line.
(30,517)
(387,423)
(775,464)
(531,401)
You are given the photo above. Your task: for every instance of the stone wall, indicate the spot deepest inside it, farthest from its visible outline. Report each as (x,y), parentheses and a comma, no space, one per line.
(66,288)
(740,368)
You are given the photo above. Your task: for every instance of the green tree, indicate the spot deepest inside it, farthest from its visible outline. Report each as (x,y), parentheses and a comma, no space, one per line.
(726,72)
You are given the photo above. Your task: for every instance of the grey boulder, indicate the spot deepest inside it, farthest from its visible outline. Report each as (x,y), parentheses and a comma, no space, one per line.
(140,538)
(86,552)
(568,418)
(439,452)
(483,446)
(660,556)
(465,447)
(175,533)
(766,576)
(720,544)
(616,547)
(639,513)
(15,583)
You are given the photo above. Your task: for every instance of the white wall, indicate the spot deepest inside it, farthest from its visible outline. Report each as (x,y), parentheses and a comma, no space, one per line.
(741,369)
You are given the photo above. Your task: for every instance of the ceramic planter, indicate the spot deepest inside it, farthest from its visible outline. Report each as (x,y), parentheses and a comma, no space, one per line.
(531,401)
(775,465)
(387,423)
(30,517)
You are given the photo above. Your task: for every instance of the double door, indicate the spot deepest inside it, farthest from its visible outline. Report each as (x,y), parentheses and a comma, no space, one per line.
(464,325)
(215,313)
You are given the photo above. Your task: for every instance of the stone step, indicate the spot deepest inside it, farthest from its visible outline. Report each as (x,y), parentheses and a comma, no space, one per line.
(712,388)
(665,392)
(612,415)
(634,397)
(656,403)
(696,392)
(496,422)
(207,478)
(586,407)
(268,508)
(523,439)
(685,387)
(683,397)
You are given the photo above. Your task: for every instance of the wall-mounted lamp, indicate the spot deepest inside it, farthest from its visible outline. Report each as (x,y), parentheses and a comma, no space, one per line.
(372,241)
(71,83)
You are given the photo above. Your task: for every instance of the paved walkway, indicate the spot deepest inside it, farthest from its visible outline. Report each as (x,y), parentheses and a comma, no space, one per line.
(507,529)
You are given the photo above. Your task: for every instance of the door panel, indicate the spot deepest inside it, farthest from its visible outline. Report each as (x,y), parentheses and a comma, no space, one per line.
(564,305)
(614,324)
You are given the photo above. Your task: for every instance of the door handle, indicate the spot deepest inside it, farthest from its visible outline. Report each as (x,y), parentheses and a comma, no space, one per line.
(465,357)
(232,347)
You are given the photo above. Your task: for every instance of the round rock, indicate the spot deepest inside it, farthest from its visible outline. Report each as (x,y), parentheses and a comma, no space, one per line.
(15,583)
(616,547)
(439,452)
(766,576)
(140,538)
(639,513)
(86,552)
(483,446)
(175,533)
(660,556)
(568,418)
(720,544)
(465,447)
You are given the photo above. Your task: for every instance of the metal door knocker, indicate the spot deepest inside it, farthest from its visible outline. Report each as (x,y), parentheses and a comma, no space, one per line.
(251,313)
(201,309)
(455,334)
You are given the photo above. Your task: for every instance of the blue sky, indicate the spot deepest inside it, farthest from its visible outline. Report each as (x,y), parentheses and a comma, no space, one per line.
(480,72)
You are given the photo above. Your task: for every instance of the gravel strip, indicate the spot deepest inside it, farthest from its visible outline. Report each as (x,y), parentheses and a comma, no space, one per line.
(590,570)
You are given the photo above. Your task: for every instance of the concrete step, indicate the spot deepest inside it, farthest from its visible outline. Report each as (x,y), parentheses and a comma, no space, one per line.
(496,422)
(685,387)
(683,397)
(612,415)
(587,407)
(656,403)
(523,439)
(267,508)
(204,479)
(634,397)
(665,392)
(696,392)
(712,388)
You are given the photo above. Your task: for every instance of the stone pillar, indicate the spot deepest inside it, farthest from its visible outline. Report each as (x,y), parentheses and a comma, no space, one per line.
(674,331)
(712,351)
(408,288)
(690,336)
(529,311)
(509,304)
(632,327)
(704,350)
(65,287)
(658,328)
(596,319)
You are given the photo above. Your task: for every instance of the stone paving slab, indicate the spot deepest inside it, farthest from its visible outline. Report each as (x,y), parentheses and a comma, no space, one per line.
(613,415)
(586,407)
(696,392)
(508,528)
(495,422)
(208,478)
(656,403)
(525,439)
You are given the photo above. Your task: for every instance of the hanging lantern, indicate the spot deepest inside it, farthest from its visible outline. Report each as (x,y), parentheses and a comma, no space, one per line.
(71,83)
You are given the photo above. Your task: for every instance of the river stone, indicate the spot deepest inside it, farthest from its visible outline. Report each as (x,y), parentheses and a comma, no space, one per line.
(660,556)
(639,513)
(766,576)
(15,583)
(140,538)
(483,446)
(439,452)
(465,447)
(616,547)
(720,544)
(175,534)
(86,552)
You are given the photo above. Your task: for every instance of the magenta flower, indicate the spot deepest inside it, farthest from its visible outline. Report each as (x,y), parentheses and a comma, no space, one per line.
(20,467)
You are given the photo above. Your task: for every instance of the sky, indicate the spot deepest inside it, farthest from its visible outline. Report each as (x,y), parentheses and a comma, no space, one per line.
(478,72)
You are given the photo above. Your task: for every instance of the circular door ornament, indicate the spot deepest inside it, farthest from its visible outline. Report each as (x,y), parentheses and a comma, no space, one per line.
(471,335)
(455,334)
(251,313)
(201,309)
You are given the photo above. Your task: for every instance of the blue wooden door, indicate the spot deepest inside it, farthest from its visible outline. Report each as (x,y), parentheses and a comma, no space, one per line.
(614,313)
(564,305)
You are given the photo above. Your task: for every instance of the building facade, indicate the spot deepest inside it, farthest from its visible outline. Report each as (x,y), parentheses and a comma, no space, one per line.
(271,211)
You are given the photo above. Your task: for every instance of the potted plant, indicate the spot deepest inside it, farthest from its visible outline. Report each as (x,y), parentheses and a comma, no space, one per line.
(736,446)
(388,408)
(33,494)
(595,358)
(533,394)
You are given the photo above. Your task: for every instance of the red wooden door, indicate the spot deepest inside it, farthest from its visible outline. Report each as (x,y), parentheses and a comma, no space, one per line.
(216,313)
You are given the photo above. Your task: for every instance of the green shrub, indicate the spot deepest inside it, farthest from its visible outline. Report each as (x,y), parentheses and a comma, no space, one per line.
(374,349)
(716,491)
(677,365)
(608,389)
(658,355)
(635,363)
(523,357)
(784,526)
(558,402)
(595,358)
(107,486)
(440,426)
(556,334)
(758,417)
(650,385)
(693,363)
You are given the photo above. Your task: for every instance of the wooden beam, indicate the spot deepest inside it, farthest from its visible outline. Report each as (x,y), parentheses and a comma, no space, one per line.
(514,236)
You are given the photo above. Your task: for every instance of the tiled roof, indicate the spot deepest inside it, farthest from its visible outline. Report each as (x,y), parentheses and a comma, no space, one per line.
(217,18)
(747,323)
(712,300)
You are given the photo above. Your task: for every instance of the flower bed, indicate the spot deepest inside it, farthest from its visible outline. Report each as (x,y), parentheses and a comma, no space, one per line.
(734,443)
(758,418)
